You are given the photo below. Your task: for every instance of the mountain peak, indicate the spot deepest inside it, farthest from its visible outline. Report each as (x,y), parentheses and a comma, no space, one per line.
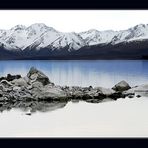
(39,24)
(39,36)
(93,30)
(139,26)
(18,27)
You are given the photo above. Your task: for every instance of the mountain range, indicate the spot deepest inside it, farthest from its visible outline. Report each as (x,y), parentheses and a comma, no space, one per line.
(39,41)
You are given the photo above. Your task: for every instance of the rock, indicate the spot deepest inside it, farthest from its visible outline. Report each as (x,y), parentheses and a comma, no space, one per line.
(3,99)
(75,101)
(48,93)
(19,82)
(117,95)
(29,87)
(37,87)
(77,94)
(89,94)
(131,96)
(5,88)
(36,75)
(16,88)
(5,83)
(121,86)
(93,101)
(37,84)
(2,78)
(105,91)
(28,111)
(29,114)
(12,77)
(1,87)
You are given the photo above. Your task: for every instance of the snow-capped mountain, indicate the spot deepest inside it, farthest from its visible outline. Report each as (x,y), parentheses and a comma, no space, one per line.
(94,37)
(39,38)
(138,32)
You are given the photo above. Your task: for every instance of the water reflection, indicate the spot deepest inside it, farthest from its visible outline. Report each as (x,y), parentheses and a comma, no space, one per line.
(104,73)
(32,106)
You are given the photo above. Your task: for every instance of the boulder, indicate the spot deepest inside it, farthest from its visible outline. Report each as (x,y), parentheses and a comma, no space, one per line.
(37,84)
(48,93)
(121,86)
(131,96)
(16,88)
(105,91)
(5,83)
(90,93)
(117,95)
(77,94)
(12,77)
(2,78)
(36,75)
(19,82)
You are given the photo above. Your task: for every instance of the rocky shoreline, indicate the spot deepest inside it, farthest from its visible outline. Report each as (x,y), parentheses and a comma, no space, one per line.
(36,87)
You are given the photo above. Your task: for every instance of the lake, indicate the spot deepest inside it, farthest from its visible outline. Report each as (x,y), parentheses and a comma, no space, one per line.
(105,73)
(122,118)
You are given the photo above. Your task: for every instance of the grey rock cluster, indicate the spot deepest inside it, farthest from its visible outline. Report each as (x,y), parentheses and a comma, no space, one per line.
(36,86)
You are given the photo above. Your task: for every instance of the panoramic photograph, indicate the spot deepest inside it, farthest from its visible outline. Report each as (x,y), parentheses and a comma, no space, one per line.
(73,73)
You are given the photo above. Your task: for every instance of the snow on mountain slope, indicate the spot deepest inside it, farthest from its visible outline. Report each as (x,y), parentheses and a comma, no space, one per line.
(94,37)
(39,36)
(21,37)
(71,40)
(137,32)
(58,40)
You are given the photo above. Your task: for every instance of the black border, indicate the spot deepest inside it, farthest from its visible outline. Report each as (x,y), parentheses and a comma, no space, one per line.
(74,142)
(73,5)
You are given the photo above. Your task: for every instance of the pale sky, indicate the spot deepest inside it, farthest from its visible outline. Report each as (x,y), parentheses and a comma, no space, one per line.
(75,20)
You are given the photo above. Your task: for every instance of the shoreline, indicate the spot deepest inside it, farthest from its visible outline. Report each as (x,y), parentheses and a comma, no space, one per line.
(36,87)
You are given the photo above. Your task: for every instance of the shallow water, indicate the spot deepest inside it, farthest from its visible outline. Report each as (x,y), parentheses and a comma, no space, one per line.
(105,73)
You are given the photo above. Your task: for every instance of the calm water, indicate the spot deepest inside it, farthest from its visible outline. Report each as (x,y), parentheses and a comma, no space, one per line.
(104,73)
(124,117)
